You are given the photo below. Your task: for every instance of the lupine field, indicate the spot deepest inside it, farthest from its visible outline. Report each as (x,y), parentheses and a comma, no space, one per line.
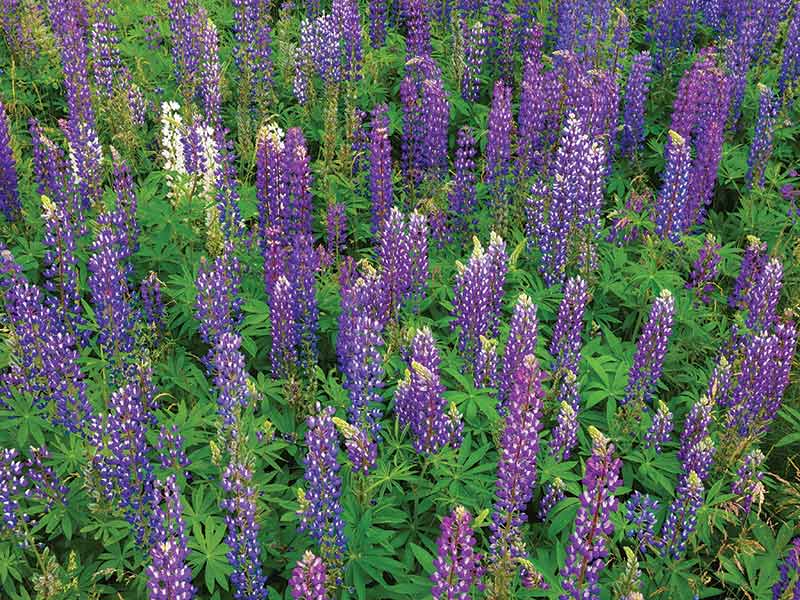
(399,299)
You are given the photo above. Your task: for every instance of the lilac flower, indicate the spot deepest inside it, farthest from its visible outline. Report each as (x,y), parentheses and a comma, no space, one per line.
(498,143)
(587,544)
(681,518)
(247,580)
(672,198)
(320,506)
(762,299)
(168,576)
(651,349)
(521,342)
(632,134)
(761,148)
(660,428)
(475,40)
(122,453)
(747,484)
(789,569)
(754,259)
(217,307)
(457,567)
(478,295)
(230,377)
(419,400)
(705,269)
(9,194)
(462,196)
(565,345)
(380,170)
(308,578)
(640,513)
(284,329)
(516,468)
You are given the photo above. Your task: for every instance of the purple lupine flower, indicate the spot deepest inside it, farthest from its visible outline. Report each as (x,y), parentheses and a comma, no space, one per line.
(308,578)
(419,400)
(403,257)
(380,166)
(230,377)
(271,192)
(61,264)
(640,513)
(681,518)
(283,355)
(789,569)
(103,47)
(705,269)
(534,105)
(521,342)
(786,333)
(123,217)
(651,349)
(761,148)
(478,295)
(754,259)
(377,22)
(252,51)
(303,264)
(747,485)
(564,436)
(762,299)
(45,356)
(416,15)
(504,39)
(738,58)
(414,162)
(186,49)
(462,197)
(475,39)
(516,468)
(171,453)
(587,544)
(299,209)
(152,304)
(457,567)
(152,32)
(168,576)
(361,449)
(51,172)
(660,428)
(208,88)
(672,27)
(553,494)
(320,506)
(12,485)
(672,198)
(275,255)
(696,451)
(9,194)
(790,63)
(348,18)
(111,300)
(218,306)
(122,462)
(435,121)
(247,579)
(632,134)
(565,345)
(485,371)
(336,228)
(68,18)
(498,143)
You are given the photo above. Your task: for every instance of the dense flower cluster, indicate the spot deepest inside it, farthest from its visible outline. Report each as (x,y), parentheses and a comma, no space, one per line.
(308,578)
(9,194)
(761,148)
(521,342)
(705,269)
(457,567)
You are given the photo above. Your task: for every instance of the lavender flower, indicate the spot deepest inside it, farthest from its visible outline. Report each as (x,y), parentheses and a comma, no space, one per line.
(587,544)
(516,469)
(521,342)
(9,194)
(761,148)
(651,349)
(380,171)
(705,269)
(168,576)
(419,400)
(632,134)
(320,507)
(660,428)
(457,565)
(308,578)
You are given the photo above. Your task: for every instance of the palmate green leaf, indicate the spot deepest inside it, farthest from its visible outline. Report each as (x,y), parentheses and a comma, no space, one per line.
(209,554)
